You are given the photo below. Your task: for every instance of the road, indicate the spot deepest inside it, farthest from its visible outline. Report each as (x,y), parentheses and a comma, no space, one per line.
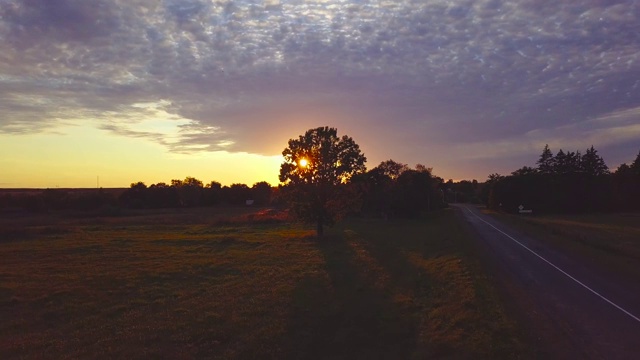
(571,311)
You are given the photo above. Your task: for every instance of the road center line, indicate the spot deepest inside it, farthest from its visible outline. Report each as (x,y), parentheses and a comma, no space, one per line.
(557,268)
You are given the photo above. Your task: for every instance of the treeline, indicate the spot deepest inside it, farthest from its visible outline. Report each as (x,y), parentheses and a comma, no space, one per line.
(189,192)
(392,189)
(389,190)
(564,182)
(567,182)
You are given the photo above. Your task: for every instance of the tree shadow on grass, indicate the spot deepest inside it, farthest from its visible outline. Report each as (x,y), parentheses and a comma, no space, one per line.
(342,316)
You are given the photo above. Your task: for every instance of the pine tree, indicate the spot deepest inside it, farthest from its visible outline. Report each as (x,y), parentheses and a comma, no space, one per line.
(635,165)
(545,163)
(560,163)
(593,164)
(573,163)
(623,170)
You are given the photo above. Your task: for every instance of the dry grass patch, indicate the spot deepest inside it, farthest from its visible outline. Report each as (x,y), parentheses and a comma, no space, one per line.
(429,269)
(183,284)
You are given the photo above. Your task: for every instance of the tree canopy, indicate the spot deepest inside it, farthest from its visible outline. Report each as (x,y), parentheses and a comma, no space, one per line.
(545,162)
(567,182)
(392,169)
(314,168)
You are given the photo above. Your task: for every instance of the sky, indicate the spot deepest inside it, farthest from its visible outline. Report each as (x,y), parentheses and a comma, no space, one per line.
(110,92)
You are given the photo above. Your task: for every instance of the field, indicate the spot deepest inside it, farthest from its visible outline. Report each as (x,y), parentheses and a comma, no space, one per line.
(231,284)
(608,241)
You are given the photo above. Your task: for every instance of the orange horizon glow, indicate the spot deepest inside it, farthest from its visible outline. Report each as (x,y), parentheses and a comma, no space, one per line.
(77,156)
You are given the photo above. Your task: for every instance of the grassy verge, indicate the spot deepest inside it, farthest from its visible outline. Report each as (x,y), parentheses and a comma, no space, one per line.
(611,241)
(205,284)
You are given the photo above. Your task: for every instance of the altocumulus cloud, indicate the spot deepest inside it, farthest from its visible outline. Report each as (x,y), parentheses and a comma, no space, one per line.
(482,80)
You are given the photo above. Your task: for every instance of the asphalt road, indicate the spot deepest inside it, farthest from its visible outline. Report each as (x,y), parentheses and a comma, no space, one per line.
(571,311)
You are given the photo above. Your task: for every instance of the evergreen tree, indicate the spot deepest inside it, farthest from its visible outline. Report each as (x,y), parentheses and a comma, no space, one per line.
(560,163)
(573,162)
(623,169)
(545,163)
(593,164)
(578,161)
(635,165)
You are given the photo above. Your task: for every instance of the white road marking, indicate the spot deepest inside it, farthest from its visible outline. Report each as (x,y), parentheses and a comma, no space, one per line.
(557,268)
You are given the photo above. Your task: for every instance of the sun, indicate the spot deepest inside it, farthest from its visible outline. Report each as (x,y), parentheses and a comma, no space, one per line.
(303,162)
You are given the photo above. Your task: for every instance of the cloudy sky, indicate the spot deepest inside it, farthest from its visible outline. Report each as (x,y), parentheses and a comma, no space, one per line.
(154,90)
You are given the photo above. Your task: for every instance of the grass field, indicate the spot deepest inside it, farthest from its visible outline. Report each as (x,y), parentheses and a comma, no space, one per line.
(224,283)
(611,241)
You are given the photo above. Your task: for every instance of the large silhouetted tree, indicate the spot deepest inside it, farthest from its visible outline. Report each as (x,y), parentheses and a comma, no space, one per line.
(593,164)
(545,163)
(561,163)
(314,168)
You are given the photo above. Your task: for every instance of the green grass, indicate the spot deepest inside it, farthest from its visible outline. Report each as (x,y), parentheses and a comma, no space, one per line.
(611,241)
(223,283)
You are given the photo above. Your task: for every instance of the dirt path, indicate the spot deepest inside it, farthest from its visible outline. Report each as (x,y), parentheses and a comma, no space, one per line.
(571,310)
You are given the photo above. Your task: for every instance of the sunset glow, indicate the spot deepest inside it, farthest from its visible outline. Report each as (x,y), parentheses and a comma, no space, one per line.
(155,90)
